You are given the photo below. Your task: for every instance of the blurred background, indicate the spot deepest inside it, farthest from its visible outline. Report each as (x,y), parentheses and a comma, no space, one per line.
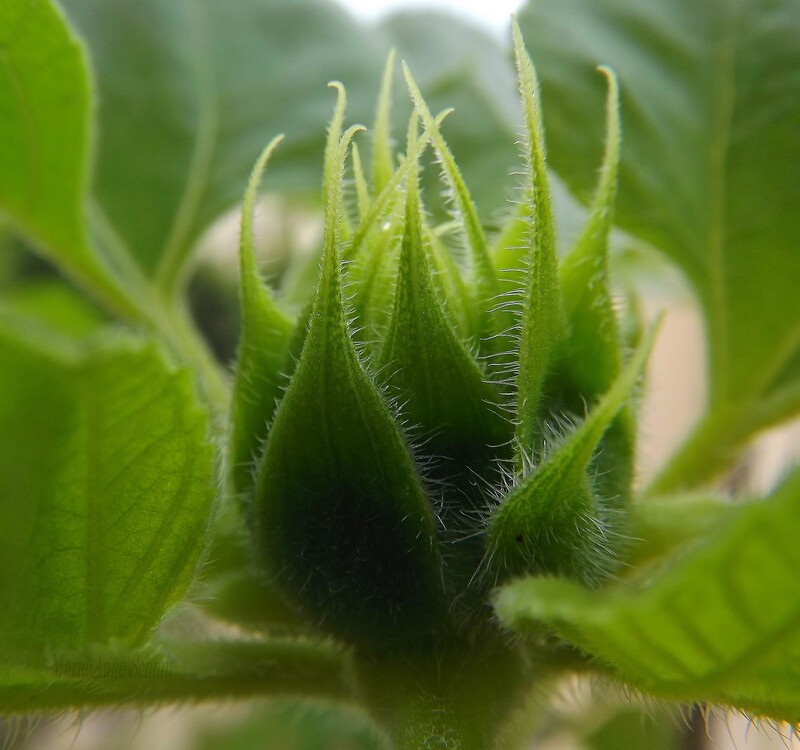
(469,69)
(490,16)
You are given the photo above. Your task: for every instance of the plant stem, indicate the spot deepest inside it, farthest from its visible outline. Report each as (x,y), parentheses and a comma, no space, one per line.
(454,699)
(125,276)
(176,327)
(213,672)
(164,314)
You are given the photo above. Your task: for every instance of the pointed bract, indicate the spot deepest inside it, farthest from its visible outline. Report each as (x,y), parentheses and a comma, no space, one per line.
(456,295)
(382,161)
(485,278)
(444,395)
(542,318)
(362,189)
(592,347)
(386,198)
(261,366)
(554,521)
(334,135)
(593,340)
(331,150)
(372,254)
(341,520)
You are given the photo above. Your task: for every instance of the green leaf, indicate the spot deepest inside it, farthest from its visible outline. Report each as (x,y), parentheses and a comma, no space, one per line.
(106,485)
(44,138)
(263,361)
(189,93)
(52,303)
(554,520)
(709,164)
(721,624)
(341,520)
(660,525)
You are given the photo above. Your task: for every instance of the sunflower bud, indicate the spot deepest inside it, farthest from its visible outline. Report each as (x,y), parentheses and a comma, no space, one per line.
(395,447)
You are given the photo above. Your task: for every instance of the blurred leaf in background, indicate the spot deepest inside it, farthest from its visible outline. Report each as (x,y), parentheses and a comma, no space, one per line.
(708,174)
(189,93)
(293,725)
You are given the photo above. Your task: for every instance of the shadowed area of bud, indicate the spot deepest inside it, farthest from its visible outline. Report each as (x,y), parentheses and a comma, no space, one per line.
(340,517)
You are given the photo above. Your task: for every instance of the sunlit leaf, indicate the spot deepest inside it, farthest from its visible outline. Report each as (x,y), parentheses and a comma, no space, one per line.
(106,485)
(722,624)
(45,110)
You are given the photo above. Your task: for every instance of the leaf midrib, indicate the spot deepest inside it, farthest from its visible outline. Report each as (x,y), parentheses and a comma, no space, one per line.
(96,618)
(723,107)
(180,232)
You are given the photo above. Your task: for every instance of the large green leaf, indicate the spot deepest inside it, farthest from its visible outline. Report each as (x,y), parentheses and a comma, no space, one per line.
(190,92)
(710,158)
(721,624)
(44,136)
(106,484)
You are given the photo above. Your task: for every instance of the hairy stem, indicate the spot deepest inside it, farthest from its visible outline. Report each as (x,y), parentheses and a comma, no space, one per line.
(165,315)
(198,672)
(458,698)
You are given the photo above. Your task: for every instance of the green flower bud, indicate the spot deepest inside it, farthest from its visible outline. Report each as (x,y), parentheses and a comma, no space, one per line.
(341,518)
(395,446)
